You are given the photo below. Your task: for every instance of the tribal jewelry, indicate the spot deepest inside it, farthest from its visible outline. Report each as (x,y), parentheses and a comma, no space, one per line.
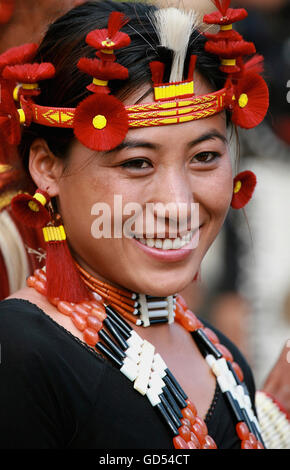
(105,330)
(274,421)
(143,310)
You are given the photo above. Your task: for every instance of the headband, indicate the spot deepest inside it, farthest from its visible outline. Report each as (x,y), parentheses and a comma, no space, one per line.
(101,121)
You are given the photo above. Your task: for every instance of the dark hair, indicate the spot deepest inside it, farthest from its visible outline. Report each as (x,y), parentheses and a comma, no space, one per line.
(64,44)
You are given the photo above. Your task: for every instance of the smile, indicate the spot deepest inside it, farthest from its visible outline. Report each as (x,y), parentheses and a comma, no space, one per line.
(169,250)
(167,243)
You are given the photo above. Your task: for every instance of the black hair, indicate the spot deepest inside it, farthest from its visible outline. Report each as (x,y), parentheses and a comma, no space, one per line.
(64,44)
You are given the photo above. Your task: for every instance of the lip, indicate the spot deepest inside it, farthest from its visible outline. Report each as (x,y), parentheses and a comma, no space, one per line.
(169,255)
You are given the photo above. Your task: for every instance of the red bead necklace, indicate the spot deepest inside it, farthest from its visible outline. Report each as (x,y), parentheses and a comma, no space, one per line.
(104,329)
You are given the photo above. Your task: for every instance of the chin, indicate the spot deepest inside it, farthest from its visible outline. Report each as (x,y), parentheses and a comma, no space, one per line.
(165,285)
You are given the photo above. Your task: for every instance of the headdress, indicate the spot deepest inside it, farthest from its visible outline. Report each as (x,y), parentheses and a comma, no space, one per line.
(101,121)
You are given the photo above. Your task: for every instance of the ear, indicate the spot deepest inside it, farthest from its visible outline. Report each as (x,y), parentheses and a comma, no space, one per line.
(45,168)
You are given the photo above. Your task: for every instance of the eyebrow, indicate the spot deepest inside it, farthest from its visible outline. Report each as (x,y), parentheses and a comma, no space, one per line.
(129,144)
(209,135)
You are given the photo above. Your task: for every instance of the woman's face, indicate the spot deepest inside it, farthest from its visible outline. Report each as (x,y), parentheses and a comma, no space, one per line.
(185,163)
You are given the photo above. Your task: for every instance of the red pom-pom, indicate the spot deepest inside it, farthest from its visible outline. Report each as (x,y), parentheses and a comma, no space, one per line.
(99,40)
(244,187)
(29,73)
(110,38)
(231,15)
(101,122)
(18,55)
(230,49)
(29,211)
(63,279)
(6,10)
(103,70)
(251,101)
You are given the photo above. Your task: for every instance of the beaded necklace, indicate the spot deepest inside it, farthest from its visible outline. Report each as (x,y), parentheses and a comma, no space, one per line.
(105,329)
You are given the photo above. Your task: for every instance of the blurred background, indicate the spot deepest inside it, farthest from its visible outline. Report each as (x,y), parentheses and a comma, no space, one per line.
(245,279)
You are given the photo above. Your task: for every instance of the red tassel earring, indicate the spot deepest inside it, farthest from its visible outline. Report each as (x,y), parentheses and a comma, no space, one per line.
(244,186)
(30,210)
(63,279)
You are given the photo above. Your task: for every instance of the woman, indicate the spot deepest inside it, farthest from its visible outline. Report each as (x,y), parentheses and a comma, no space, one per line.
(58,392)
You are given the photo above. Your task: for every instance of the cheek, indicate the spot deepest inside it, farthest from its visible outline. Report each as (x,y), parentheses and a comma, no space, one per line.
(81,196)
(215,194)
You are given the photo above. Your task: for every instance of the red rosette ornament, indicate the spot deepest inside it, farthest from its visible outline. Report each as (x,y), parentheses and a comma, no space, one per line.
(229,51)
(250,101)
(111,38)
(13,56)
(225,15)
(18,55)
(102,73)
(27,75)
(244,187)
(101,122)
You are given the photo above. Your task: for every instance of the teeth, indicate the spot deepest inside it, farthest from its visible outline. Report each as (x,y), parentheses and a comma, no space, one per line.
(176,244)
(167,244)
(150,242)
(158,243)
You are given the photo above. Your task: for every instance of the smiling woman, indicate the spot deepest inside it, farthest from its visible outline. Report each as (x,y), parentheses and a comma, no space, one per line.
(134,109)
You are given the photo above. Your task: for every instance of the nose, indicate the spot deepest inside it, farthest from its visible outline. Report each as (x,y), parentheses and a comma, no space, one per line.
(173,208)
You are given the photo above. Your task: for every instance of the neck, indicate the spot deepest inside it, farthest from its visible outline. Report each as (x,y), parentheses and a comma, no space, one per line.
(141,309)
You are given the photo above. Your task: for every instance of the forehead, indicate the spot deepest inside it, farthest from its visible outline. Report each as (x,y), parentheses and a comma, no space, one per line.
(175,134)
(142,94)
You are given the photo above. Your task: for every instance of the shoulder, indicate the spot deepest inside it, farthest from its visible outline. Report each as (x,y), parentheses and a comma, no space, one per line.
(19,320)
(26,332)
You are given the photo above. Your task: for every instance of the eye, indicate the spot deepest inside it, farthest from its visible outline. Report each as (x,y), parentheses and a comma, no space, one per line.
(136,164)
(206,157)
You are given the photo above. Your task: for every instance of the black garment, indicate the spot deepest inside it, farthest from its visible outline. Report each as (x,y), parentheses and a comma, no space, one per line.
(56,392)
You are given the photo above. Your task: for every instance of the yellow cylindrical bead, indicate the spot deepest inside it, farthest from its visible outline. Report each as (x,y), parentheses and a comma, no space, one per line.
(229,61)
(22,117)
(98,82)
(237,187)
(29,86)
(40,198)
(226,27)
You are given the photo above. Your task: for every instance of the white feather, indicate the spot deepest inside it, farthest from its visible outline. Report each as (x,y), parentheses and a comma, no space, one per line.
(174,28)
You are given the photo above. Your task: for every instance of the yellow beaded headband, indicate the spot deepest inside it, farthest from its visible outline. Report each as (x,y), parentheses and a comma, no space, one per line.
(101,121)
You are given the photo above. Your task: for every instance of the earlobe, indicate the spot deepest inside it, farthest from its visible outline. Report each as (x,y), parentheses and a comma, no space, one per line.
(44,167)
